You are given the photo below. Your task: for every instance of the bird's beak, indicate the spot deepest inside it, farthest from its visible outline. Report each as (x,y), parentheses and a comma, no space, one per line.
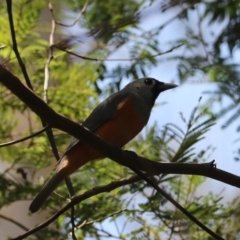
(167,86)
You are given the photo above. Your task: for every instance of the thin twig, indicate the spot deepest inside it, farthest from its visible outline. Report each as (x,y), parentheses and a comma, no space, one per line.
(25,138)
(50,58)
(107,234)
(14,222)
(14,42)
(84,223)
(76,19)
(73,223)
(200,31)
(117,59)
(161,27)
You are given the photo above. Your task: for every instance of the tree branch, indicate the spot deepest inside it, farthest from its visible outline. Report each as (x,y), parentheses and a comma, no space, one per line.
(14,222)
(76,19)
(24,139)
(116,59)
(14,42)
(85,222)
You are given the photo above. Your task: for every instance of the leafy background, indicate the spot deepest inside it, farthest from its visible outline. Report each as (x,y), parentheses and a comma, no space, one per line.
(208,57)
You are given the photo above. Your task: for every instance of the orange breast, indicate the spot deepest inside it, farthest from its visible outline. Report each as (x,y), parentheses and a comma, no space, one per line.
(119,130)
(124,126)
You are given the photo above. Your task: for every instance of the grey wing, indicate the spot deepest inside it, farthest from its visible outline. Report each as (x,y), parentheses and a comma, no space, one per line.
(102,113)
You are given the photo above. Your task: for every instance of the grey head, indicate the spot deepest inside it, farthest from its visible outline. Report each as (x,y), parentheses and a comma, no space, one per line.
(148,89)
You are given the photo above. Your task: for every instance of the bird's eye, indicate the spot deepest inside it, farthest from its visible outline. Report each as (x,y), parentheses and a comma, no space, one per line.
(148,81)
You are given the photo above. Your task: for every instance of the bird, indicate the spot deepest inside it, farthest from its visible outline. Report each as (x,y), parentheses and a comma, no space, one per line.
(117,120)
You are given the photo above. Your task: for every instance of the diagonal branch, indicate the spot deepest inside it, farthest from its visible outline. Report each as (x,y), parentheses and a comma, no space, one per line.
(76,19)
(14,222)
(116,59)
(25,138)
(84,223)
(14,42)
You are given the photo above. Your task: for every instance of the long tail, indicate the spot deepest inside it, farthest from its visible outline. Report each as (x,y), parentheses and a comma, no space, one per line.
(46,191)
